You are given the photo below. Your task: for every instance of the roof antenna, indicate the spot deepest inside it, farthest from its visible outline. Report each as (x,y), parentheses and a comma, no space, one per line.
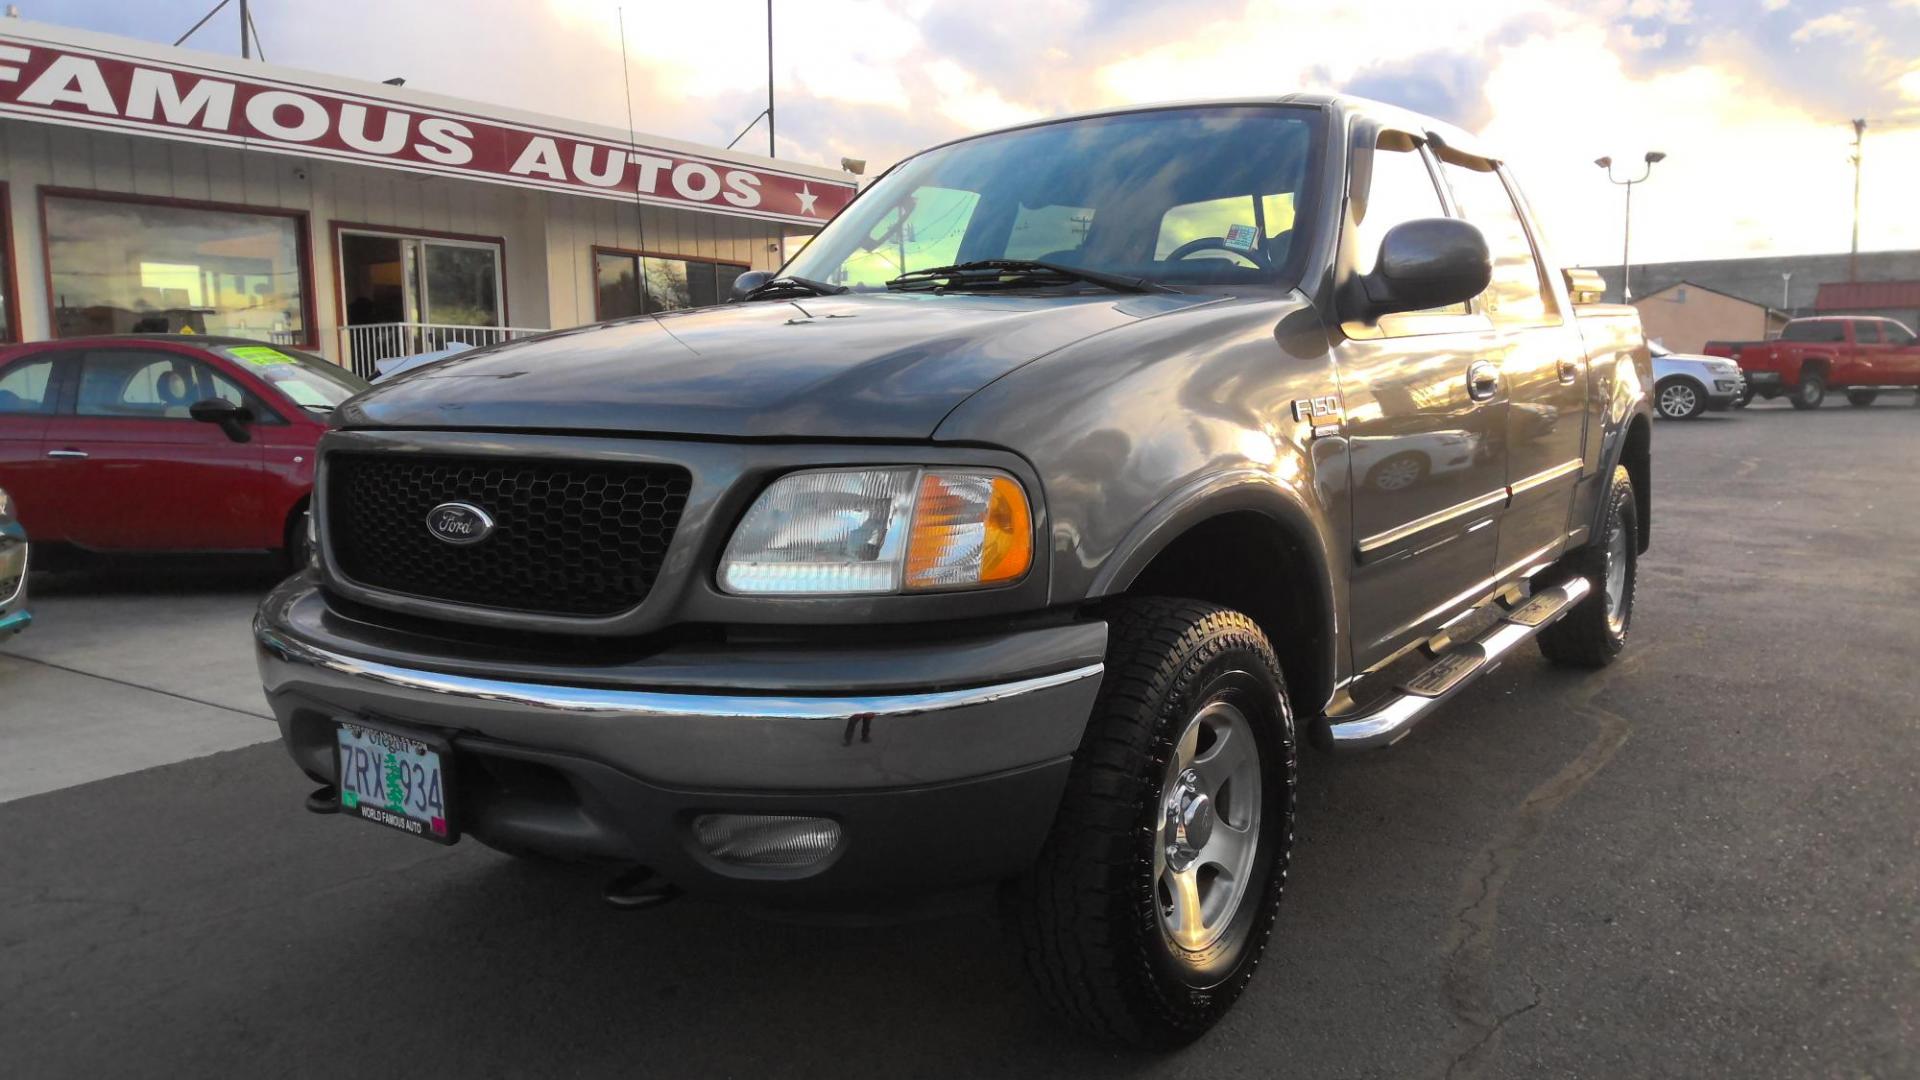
(639,208)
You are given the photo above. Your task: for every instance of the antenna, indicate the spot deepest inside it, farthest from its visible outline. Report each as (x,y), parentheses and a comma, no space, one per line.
(633,141)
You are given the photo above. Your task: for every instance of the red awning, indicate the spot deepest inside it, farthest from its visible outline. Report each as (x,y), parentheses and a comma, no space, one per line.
(1867,295)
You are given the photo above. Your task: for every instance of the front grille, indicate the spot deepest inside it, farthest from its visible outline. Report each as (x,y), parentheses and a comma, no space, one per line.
(569,538)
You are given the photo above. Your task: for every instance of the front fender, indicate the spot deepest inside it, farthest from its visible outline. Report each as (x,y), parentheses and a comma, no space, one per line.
(1233,491)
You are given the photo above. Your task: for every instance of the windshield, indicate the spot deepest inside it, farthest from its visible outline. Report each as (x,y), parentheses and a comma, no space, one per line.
(306,380)
(1188,196)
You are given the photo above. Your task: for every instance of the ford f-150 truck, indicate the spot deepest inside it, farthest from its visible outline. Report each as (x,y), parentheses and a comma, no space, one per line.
(1010,539)
(1861,355)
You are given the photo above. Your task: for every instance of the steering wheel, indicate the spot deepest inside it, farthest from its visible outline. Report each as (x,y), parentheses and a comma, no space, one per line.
(1253,254)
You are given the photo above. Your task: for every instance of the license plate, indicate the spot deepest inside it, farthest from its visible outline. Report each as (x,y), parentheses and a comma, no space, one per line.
(395,780)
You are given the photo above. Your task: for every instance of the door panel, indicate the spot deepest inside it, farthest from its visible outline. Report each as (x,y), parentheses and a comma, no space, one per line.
(29,393)
(1429,481)
(1543,366)
(1546,374)
(141,475)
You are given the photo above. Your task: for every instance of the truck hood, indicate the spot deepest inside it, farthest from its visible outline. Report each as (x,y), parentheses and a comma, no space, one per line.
(880,365)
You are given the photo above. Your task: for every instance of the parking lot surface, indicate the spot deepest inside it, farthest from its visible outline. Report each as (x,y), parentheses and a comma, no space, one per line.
(1702,861)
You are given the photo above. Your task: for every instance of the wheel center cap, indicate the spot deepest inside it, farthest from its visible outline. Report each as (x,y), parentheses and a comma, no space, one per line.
(1190,820)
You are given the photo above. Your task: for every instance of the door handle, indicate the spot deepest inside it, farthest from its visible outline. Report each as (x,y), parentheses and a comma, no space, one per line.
(1483,381)
(66,453)
(1569,372)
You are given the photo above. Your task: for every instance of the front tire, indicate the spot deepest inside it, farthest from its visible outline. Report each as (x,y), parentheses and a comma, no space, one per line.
(1860,399)
(296,551)
(1151,903)
(1595,631)
(1679,399)
(1811,393)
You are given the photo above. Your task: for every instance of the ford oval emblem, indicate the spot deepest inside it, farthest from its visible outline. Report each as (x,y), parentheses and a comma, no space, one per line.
(459,523)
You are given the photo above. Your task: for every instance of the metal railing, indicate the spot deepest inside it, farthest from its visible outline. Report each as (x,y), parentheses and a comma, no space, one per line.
(363,347)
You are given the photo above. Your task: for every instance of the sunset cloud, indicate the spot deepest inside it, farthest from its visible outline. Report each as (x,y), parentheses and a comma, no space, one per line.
(1750,98)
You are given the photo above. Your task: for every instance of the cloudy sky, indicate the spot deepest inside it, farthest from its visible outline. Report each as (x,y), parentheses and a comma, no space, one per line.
(1749,98)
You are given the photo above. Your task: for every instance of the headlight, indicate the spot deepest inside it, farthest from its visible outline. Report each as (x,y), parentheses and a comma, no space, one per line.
(6,506)
(843,532)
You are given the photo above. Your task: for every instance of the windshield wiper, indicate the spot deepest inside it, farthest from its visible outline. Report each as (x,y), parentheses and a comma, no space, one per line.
(791,285)
(1013,273)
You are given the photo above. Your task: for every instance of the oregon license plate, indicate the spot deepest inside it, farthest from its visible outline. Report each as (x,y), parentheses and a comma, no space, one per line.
(395,780)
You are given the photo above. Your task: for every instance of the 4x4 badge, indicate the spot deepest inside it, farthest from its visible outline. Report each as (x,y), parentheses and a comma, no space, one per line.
(459,523)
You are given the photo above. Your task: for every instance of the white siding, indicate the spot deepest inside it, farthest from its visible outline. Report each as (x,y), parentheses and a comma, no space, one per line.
(549,238)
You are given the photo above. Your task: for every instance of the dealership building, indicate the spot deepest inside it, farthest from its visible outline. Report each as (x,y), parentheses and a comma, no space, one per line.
(146,189)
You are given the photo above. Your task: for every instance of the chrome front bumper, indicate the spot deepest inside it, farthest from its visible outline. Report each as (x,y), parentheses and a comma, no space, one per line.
(932,789)
(712,741)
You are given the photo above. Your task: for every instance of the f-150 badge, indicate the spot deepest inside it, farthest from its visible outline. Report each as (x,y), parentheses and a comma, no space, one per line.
(1322,412)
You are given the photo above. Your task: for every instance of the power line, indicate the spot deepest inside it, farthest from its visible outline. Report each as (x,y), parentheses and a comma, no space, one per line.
(202,22)
(255,27)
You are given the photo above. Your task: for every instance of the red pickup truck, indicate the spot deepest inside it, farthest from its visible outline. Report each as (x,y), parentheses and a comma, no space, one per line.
(1861,355)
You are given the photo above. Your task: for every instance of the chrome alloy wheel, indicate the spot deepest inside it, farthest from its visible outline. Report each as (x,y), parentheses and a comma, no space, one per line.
(1617,580)
(1397,475)
(1209,826)
(1678,401)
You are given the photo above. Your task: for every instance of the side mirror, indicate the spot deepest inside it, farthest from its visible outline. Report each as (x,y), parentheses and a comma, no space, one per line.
(1426,263)
(748,282)
(233,419)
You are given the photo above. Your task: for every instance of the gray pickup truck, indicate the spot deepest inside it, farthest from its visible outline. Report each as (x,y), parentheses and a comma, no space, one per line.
(1007,541)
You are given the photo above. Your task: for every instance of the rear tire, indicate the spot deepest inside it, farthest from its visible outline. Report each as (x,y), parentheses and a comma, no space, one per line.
(1860,399)
(1097,919)
(1595,631)
(1679,399)
(1811,393)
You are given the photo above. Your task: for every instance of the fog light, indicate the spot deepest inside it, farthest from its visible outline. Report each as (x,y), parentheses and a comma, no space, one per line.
(765,839)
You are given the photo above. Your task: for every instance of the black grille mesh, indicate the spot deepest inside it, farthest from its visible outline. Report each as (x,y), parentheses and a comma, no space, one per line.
(569,538)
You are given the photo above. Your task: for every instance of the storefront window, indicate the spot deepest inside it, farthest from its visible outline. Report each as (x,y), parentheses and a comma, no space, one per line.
(642,284)
(125,267)
(9,323)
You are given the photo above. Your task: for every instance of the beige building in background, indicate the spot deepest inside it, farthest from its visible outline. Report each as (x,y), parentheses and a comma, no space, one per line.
(1685,316)
(148,189)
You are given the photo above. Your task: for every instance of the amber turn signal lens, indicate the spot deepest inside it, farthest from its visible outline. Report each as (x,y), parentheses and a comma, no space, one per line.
(970,528)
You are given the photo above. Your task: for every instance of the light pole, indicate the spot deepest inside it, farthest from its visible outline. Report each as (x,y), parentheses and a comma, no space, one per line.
(1626,241)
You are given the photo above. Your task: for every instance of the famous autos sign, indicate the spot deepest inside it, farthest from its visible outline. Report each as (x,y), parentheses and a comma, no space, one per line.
(61,83)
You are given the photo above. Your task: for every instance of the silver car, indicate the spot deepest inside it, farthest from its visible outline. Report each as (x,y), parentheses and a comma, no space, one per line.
(1687,385)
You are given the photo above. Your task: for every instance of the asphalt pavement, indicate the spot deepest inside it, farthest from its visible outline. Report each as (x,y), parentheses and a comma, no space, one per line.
(1703,861)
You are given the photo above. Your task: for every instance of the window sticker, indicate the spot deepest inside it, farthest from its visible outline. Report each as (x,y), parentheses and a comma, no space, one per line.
(260,355)
(1242,237)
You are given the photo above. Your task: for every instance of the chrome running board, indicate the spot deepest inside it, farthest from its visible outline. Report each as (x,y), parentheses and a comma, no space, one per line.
(1388,722)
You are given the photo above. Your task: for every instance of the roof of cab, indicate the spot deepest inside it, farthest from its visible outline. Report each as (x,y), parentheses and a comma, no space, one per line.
(1341,105)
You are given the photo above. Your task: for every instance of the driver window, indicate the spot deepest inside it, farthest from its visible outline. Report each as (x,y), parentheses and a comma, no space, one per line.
(922,232)
(146,385)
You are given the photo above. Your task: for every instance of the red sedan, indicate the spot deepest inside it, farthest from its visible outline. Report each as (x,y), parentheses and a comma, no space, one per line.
(164,443)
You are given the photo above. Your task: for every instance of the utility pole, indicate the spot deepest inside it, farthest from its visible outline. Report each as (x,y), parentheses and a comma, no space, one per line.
(770,152)
(1859,148)
(246,22)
